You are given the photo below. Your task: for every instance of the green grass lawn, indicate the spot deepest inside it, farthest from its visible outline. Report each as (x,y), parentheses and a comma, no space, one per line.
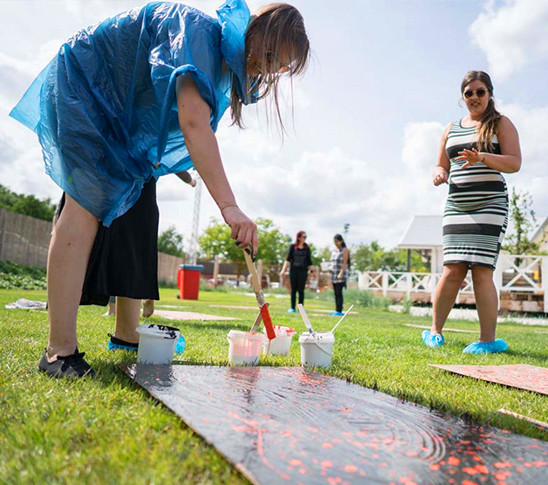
(108,430)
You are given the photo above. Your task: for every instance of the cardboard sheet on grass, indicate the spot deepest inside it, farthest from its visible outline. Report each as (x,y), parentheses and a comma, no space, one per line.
(282,425)
(521,376)
(172,315)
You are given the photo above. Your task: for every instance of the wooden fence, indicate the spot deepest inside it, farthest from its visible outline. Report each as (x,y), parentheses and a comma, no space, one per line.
(521,281)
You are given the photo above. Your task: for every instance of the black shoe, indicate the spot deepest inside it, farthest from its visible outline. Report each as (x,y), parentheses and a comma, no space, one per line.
(66,366)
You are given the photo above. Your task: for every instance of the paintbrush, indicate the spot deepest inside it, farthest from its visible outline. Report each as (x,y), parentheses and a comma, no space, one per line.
(342,318)
(306,321)
(264,314)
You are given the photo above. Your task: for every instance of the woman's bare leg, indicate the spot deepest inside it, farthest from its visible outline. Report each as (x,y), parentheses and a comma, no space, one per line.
(69,250)
(446,293)
(487,302)
(148,308)
(127,319)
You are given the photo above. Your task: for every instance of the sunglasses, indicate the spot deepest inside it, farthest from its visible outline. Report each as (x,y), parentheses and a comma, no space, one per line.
(480,93)
(303,236)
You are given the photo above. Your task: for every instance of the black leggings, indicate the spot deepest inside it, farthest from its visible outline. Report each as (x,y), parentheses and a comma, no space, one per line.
(297,278)
(338,288)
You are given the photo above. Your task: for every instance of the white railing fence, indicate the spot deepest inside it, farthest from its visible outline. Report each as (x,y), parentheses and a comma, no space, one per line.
(517,274)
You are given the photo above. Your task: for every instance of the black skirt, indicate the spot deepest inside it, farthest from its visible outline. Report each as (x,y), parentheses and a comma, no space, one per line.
(124,258)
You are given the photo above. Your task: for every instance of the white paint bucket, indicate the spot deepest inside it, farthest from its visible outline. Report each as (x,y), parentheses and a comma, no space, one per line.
(282,343)
(156,343)
(244,347)
(316,349)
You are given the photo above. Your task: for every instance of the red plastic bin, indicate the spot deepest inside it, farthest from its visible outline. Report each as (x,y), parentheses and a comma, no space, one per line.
(188,281)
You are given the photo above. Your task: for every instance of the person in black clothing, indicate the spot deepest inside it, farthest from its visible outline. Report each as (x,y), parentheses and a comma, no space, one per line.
(299,260)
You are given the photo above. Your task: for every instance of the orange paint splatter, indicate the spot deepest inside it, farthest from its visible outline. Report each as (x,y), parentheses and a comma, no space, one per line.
(470,471)
(326,464)
(502,464)
(502,475)
(482,469)
(468,482)
(303,471)
(540,463)
(350,469)
(295,462)
(327,445)
(528,465)
(453,461)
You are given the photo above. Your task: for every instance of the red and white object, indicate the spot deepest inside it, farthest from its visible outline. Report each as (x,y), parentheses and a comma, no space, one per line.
(244,347)
(282,343)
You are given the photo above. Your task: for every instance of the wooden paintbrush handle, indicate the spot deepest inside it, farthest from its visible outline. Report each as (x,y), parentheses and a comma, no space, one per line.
(255,283)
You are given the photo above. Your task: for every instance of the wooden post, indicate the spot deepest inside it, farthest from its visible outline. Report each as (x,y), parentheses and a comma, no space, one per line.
(215,271)
(384,283)
(544,281)
(409,278)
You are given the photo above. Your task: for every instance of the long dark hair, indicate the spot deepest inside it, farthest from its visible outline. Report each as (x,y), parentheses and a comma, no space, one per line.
(299,234)
(338,237)
(275,27)
(490,120)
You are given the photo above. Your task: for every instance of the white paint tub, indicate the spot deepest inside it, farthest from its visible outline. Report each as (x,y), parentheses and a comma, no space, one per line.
(156,343)
(244,347)
(282,343)
(316,349)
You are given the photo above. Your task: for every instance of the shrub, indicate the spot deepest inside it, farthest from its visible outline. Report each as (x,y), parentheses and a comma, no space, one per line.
(13,275)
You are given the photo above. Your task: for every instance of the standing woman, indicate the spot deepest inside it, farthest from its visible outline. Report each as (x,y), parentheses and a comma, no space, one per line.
(135,97)
(474,153)
(299,260)
(340,263)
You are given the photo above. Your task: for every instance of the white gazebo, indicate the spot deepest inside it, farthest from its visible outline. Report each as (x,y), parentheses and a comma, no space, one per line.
(425,233)
(541,234)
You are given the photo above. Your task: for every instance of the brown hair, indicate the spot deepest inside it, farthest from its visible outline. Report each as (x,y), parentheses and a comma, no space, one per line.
(490,119)
(275,27)
(299,234)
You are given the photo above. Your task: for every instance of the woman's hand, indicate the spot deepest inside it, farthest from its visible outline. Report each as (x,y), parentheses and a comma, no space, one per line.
(340,276)
(471,156)
(440,176)
(243,229)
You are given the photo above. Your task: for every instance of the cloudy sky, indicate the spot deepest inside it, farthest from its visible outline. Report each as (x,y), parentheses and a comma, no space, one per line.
(368,114)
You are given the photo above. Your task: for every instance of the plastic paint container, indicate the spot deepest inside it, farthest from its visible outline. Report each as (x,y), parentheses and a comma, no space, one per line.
(244,347)
(282,343)
(316,349)
(156,343)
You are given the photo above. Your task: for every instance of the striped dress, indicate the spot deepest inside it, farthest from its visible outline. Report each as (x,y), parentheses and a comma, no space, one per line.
(476,211)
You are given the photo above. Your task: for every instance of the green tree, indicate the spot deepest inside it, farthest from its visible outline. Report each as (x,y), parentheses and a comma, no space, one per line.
(323,254)
(171,242)
(216,241)
(524,221)
(28,205)
(373,257)
(273,243)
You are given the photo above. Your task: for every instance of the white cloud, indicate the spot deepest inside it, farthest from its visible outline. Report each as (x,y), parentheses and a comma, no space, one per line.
(421,141)
(513,35)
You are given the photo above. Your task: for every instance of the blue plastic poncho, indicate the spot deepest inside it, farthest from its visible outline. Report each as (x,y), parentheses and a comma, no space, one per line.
(105,107)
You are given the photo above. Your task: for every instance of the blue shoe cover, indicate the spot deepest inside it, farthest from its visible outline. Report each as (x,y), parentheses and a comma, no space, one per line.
(337,314)
(113,346)
(291,310)
(432,340)
(495,347)
(180,345)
